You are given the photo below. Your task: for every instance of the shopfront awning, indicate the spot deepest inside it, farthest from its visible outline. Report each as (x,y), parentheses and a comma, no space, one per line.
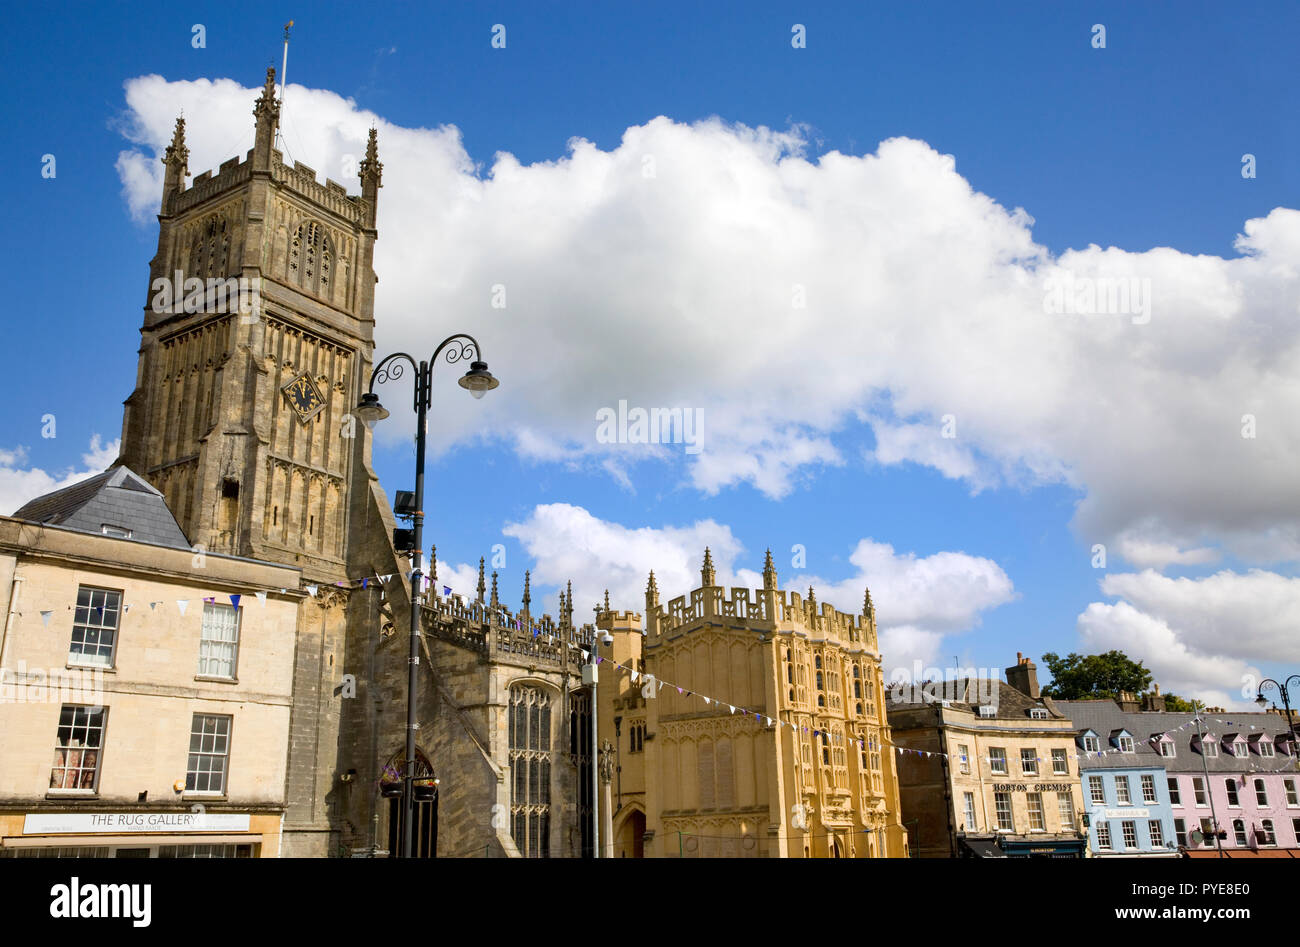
(982,848)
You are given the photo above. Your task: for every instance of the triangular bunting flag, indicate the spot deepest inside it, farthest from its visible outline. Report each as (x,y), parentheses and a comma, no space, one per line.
(126,609)
(311,590)
(152,605)
(45,618)
(261,598)
(586,655)
(234,600)
(634,677)
(182,604)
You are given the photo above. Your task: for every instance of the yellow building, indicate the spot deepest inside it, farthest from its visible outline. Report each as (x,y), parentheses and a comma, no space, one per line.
(145,689)
(990,768)
(749,726)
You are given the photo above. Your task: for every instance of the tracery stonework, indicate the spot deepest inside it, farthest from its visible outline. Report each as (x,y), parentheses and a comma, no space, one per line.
(712,782)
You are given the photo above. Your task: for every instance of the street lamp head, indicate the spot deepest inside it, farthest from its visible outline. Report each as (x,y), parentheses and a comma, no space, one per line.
(1261,699)
(478,380)
(370,410)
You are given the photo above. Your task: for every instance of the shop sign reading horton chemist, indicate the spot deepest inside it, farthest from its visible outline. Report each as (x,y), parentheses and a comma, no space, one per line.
(1033,787)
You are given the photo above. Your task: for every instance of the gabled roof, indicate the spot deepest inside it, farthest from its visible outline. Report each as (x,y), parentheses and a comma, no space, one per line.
(118,497)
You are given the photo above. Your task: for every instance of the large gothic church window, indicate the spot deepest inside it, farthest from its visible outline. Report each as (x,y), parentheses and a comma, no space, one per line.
(530,770)
(311,259)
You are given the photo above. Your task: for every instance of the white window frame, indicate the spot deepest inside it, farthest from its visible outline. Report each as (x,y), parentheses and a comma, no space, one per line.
(85,626)
(998,799)
(1123,791)
(1028,761)
(998,763)
(1065,810)
(1156,833)
(1060,762)
(1200,793)
(963,754)
(968,801)
(1261,793)
(85,722)
(213,744)
(214,645)
(1175,792)
(1168,749)
(1097,790)
(1125,743)
(1092,744)
(1034,805)
(1129,833)
(1149,783)
(1103,836)
(1292,797)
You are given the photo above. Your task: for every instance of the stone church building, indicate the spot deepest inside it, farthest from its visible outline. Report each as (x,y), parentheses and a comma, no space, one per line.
(241,418)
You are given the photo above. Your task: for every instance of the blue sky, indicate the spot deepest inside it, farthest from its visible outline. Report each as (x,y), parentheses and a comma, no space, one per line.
(1135,146)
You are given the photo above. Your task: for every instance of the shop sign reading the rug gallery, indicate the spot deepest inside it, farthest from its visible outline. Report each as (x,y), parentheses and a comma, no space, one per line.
(59,823)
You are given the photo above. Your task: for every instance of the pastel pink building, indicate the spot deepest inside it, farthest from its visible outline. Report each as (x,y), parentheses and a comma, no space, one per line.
(1239,779)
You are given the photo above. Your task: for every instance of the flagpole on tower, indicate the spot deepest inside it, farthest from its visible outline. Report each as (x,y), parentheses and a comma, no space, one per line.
(284,64)
(284,69)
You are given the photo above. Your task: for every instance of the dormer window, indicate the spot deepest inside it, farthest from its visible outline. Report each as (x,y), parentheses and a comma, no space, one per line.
(1264,746)
(1091,742)
(1037,713)
(987,710)
(1122,740)
(1208,748)
(117,532)
(1167,748)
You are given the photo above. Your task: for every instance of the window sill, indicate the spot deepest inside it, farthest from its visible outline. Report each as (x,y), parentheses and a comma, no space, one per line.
(105,668)
(216,680)
(72,794)
(194,795)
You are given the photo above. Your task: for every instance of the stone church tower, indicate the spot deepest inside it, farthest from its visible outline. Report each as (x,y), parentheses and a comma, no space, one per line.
(241,417)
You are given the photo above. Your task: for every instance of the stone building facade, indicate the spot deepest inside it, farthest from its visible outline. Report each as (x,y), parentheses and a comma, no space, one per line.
(993,769)
(690,777)
(241,417)
(144,710)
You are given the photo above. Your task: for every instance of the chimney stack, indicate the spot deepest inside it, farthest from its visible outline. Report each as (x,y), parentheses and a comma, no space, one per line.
(1128,702)
(1023,676)
(1154,701)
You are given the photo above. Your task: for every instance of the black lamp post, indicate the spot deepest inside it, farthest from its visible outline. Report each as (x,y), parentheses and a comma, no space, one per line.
(478,380)
(1286,703)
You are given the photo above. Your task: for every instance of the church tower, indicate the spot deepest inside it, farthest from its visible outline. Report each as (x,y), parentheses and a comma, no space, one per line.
(256,345)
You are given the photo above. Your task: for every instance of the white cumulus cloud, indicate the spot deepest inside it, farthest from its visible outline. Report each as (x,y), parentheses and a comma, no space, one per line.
(798,302)
(21,482)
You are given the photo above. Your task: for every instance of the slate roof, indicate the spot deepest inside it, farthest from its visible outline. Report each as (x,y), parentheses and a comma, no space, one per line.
(1104,716)
(117,497)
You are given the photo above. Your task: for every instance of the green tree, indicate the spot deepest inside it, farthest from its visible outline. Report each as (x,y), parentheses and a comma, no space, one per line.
(1176,704)
(1094,676)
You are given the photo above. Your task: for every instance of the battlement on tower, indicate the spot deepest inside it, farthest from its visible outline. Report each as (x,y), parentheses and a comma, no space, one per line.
(768,609)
